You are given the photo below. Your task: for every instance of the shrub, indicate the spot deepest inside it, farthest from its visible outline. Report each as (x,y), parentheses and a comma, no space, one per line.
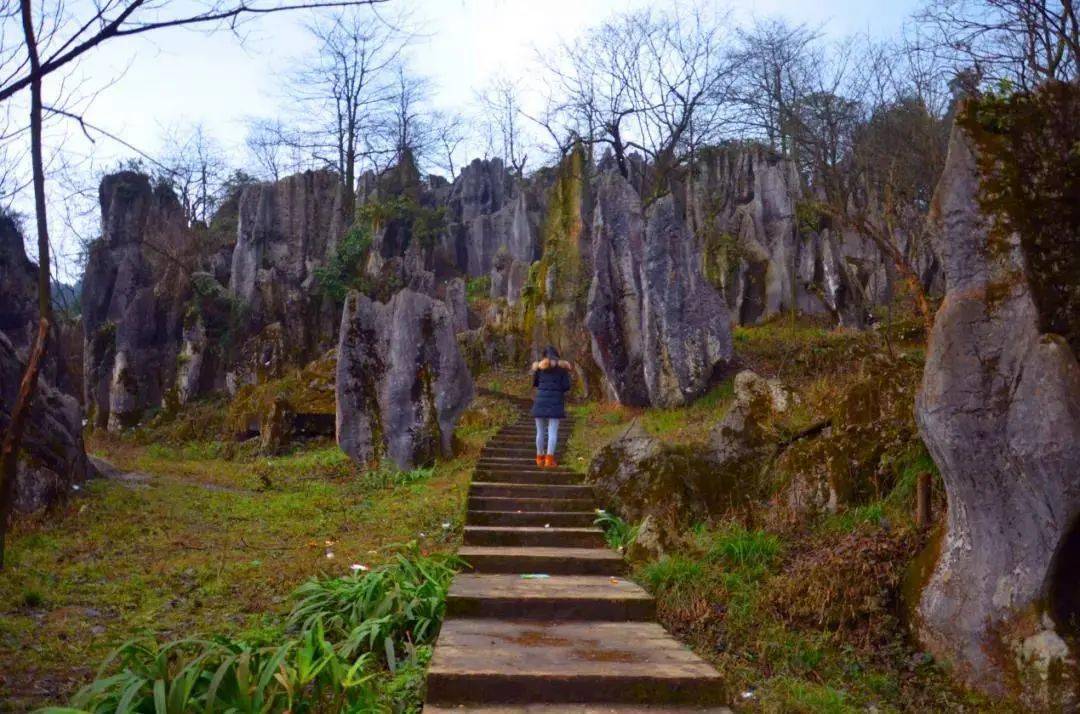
(305,674)
(340,631)
(342,273)
(388,610)
(618,533)
(852,584)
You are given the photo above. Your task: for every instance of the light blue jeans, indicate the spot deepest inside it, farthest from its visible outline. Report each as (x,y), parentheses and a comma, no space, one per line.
(551,426)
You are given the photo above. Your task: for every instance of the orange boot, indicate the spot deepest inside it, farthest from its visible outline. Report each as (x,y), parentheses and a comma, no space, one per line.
(540,460)
(549,461)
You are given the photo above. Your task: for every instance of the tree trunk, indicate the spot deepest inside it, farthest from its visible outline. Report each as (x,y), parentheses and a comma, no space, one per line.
(9,451)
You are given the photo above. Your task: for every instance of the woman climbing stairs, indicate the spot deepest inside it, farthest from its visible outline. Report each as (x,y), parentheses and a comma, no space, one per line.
(544,620)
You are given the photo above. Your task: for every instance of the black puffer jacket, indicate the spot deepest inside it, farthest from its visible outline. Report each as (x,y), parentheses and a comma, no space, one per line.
(552,382)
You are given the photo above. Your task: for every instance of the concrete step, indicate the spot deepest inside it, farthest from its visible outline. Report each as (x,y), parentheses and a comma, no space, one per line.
(527,475)
(531,490)
(513,462)
(501,503)
(527,432)
(528,455)
(550,561)
(573,707)
(567,662)
(566,519)
(526,449)
(562,597)
(534,536)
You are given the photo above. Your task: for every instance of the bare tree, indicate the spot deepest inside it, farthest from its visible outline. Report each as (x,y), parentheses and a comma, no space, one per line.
(408,126)
(1023,41)
(448,134)
(271,148)
(651,82)
(870,151)
(776,64)
(504,122)
(344,87)
(195,169)
(55,36)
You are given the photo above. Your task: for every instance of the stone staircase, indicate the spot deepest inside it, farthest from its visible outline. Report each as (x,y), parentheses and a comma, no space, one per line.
(578,638)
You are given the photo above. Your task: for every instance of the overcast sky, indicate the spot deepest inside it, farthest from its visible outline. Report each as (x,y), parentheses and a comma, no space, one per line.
(182,77)
(188,76)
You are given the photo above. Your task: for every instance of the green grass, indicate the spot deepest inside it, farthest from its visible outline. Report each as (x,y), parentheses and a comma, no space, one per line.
(201,544)
(787,694)
(850,519)
(693,422)
(345,637)
(674,574)
(738,548)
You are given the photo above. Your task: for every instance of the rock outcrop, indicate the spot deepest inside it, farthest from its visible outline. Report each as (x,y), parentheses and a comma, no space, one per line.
(745,439)
(554,305)
(454,297)
(401,380)
(658,328)
(286,230)
(999,410)
(838,461)
(53,458)
(744,205)
(134,294)
(493,227)
(638,476)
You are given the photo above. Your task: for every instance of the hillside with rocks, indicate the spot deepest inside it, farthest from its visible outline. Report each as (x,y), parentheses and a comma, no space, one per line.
(816,303)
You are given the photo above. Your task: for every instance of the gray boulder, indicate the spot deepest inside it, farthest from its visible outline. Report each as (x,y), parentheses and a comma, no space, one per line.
(745,439)
(638,476)
(999,410)
(401,380)
(53,457)
(659,329)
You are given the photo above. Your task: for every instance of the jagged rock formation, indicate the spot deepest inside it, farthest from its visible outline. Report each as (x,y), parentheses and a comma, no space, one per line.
(134,293)
(658,328)
(553,305)
(999,410)
(401,380)
(744,205)
(490,216)
(53,457)
(286,230)
(614,315)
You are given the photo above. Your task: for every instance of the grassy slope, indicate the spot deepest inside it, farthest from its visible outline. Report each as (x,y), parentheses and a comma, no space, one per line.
(803,616)
(204,543)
